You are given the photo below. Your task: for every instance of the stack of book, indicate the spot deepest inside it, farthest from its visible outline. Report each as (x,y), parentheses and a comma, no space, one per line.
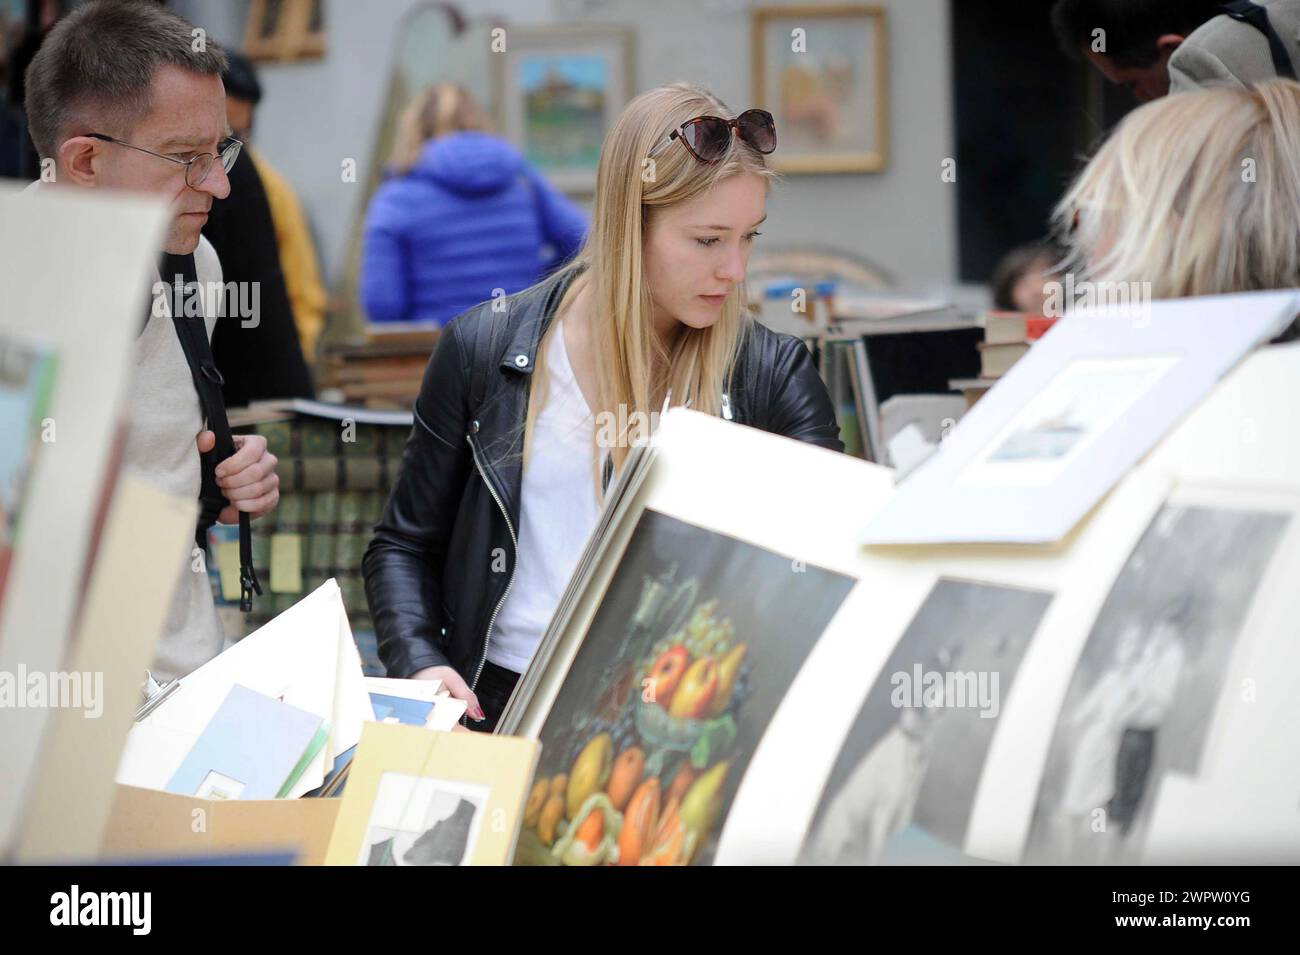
(881,314)
(1007,337)
(383,371)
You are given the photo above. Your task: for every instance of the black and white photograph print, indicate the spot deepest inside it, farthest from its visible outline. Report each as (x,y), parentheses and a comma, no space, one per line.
(913,757)
(1148,679)
(416,820)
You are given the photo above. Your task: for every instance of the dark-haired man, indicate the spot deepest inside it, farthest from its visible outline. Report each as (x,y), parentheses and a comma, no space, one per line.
(1154,47)
(306,292)
(124,94)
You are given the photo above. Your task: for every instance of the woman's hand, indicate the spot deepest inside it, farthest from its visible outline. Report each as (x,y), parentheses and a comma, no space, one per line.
(456,686)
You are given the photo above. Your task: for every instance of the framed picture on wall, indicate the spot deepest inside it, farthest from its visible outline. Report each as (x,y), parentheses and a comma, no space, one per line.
(285,29)
(558,92)
(823,71)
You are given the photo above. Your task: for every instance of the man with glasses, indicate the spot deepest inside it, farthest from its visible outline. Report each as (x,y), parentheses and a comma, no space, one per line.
(124,95)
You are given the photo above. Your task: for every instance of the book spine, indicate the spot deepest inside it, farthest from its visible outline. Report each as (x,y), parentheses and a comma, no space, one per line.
(322,535)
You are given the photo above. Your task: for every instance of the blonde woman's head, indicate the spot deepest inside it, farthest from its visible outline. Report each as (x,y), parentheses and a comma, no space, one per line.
(681,228)
(441,109)
(665,257)
(1197,193)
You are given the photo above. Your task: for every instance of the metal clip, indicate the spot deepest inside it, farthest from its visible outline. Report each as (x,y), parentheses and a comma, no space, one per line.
(248,586)
(155,701)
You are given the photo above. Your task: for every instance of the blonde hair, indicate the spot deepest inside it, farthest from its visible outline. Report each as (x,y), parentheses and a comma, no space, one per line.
(441,109)
(1197,193)
(635,370)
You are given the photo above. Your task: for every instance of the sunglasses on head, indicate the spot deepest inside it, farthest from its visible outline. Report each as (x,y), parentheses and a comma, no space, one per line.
(707,138)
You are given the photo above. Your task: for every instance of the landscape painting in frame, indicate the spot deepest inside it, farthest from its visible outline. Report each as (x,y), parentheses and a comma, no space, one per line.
(1149,678)
(822,71)
(904,783)
(694,645)
(559,92)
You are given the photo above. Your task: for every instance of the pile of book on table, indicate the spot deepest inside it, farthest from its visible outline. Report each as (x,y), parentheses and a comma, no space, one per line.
(1007,337)
(382,371)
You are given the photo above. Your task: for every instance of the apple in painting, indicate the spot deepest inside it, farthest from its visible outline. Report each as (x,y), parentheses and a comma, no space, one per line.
(694,696)
(667,673)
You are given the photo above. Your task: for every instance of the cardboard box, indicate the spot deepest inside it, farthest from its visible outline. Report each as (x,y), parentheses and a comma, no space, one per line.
(149,822)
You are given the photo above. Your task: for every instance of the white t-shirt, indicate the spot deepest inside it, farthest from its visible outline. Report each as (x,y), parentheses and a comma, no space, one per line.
(165,419)
(557,511)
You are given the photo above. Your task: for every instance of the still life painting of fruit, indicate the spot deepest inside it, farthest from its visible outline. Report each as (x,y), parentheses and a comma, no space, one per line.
(694,644)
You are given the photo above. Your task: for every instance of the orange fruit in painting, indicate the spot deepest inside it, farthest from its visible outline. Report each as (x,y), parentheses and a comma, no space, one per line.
(639,822)
(681,782)
(536,800)
(626,774)
(592,829)
(669,844)
(549,821)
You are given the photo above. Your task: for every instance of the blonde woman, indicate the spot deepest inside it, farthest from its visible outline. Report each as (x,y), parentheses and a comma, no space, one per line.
(530,404)
(1197,193)
(461,216)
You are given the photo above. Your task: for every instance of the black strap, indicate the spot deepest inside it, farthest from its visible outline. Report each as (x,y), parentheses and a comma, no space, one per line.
(193,335)
(1249,12)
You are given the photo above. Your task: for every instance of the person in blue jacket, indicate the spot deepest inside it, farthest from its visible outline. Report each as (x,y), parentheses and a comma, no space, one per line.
(463,217)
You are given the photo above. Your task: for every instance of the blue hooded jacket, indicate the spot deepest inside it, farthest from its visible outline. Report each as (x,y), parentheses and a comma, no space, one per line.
(471,216)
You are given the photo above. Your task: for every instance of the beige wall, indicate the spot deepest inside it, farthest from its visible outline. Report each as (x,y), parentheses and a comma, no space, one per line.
(315,114)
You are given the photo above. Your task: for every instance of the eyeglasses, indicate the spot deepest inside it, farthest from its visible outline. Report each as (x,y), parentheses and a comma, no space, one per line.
(708,137)
(198,166)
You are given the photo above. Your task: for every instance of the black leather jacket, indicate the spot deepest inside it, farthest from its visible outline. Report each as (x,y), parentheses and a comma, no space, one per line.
(443,556)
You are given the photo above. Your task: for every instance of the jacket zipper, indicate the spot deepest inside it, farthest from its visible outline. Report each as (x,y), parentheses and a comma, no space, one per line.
(514,542)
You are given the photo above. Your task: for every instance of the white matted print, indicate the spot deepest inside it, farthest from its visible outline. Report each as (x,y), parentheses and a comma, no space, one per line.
(416,820)
(1080,404)
(1142,702)
(945,500)
(911,763)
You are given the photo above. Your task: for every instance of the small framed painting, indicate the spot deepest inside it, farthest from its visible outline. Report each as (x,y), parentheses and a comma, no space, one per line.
(558,92)
(285,30)
(823,71)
